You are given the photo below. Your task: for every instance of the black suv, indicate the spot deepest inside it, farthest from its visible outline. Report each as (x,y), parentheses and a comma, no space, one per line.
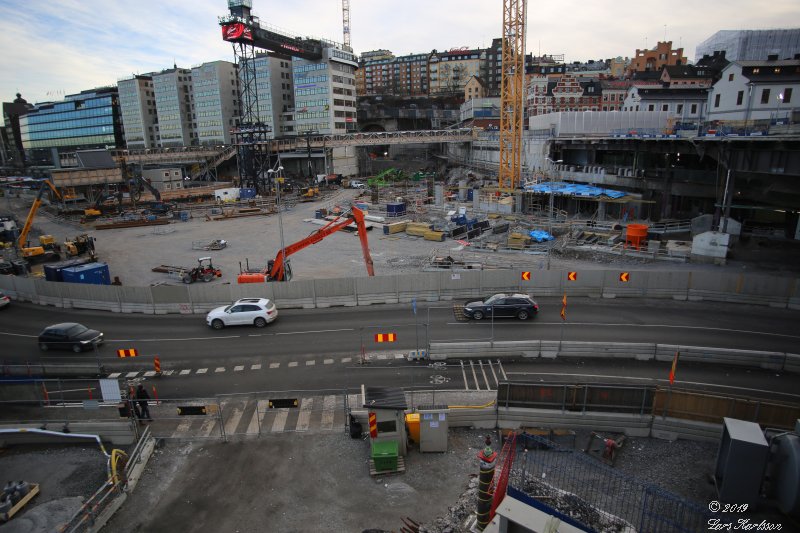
(501,305)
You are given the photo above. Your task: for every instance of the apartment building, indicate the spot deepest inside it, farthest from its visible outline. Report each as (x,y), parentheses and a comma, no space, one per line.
(137,102)
(275,92)
(449,72)
(655,59)
(174,105)
(325,93)
(215,88)
(755,91)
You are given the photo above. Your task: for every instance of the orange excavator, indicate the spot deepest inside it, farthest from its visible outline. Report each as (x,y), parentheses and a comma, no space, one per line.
(279,269)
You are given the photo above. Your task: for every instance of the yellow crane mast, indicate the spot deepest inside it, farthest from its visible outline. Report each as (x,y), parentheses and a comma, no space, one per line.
(512,90)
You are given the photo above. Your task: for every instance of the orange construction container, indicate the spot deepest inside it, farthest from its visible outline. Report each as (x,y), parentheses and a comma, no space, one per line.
(636,235)
(251,277)
(412,423)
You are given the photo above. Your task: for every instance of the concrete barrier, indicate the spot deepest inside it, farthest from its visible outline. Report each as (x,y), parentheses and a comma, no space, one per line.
(118,432)
(751,289)
(677,428)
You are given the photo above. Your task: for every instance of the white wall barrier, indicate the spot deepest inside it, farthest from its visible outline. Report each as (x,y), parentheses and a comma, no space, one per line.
(423,286)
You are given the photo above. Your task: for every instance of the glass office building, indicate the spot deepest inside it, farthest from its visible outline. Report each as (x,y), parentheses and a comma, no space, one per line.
(756,45)
(90,119)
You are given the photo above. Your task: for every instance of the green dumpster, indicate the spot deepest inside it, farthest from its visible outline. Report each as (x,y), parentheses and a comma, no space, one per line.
(384,455)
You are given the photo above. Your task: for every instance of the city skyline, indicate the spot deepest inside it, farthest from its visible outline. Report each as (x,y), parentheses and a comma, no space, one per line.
(86,44)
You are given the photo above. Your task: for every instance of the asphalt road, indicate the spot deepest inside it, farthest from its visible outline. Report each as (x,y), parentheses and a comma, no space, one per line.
(321,348)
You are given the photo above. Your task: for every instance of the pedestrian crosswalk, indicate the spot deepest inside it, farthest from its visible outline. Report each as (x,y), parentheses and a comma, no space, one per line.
(370,357)
(251,417)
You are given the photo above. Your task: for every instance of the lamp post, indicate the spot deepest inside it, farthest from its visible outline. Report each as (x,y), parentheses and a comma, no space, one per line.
(308,135)
(278,180)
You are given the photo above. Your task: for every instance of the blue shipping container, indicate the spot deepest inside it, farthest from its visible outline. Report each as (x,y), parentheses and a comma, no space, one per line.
(90,273)
(245,193)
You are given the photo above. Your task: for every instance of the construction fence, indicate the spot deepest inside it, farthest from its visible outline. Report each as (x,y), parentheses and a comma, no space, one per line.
(422,286)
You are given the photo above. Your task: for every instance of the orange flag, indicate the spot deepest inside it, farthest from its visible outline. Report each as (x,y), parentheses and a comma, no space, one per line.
(674,366)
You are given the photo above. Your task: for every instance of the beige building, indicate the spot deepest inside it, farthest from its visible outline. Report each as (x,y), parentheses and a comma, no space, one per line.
(450,71)
(475,88)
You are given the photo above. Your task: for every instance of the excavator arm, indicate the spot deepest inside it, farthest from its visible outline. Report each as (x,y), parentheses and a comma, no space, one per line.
(278,271)
(26,229)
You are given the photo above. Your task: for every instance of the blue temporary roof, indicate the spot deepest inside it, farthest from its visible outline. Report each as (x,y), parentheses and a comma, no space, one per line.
(574,189)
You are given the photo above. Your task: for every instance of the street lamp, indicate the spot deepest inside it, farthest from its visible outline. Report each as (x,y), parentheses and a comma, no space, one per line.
(278,180)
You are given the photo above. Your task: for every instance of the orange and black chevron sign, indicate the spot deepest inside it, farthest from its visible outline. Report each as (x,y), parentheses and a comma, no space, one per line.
(385,337)
(526,276)
(373,425)
(624,276)
(127,353)
(572,276)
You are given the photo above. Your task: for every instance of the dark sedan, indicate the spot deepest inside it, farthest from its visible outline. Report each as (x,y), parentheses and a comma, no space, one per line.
(69,336)
(520,306)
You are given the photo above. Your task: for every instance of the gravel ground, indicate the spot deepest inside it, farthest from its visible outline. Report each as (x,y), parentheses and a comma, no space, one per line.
(67,475)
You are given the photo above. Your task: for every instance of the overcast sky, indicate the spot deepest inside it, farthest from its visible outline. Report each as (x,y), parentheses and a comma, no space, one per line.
(51,48)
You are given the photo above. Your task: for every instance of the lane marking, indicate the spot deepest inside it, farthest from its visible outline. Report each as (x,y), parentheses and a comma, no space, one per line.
(114,375)
(182,428)
(346,359)
(238,368)
(464,374)
(233,420)
(474,375)
(207,427)
(292,364)
(327,362)
(502,370)
(219,369)
(202,370)
(256,367)
(328,411)
(131,374)
(280,420)
(274,365)
(311,363)
(184,372)
(304,418)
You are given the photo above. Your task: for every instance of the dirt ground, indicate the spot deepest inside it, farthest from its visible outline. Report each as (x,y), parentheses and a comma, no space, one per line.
(133,252)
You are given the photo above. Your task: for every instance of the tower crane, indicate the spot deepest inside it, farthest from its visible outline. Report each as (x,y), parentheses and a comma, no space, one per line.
(346,25)
(512,93)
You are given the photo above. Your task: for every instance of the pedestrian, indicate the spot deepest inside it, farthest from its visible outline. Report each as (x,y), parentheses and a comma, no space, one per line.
(142,396)
(133,403)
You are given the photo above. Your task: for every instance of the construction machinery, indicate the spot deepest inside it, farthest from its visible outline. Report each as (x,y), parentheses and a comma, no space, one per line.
(99,208)
(80,245)
(279,268)
(38,253)
(204,271)
(309,194)
(157,207)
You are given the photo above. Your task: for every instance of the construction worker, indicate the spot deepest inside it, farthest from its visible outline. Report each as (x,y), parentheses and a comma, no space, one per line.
(141,397)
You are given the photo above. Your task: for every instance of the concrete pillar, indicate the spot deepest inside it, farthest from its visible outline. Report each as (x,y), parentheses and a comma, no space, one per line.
(601,211)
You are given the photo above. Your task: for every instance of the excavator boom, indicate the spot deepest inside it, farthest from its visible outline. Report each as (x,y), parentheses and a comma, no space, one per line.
(278,271)
(23,236)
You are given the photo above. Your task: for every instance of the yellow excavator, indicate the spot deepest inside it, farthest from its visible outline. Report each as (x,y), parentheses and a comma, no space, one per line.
(47,249)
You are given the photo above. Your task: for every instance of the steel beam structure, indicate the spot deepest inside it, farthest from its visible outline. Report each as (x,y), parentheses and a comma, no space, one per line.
(512,93)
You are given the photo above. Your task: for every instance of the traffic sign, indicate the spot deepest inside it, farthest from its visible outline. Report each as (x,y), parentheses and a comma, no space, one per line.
(526,276)
(157,364)
(625,277)
(127,353)
(373,425)
(572,276)
(385,337)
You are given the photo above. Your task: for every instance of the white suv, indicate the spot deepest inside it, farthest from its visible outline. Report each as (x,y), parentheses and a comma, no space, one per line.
(256,311)
(355,184)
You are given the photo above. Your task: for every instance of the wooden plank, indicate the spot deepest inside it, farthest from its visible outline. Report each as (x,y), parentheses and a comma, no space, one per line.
(25,499)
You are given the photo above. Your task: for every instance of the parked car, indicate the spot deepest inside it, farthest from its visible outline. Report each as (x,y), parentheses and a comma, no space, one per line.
(502,305)
(4,300)
(248,311)
(69,336)
(355,184)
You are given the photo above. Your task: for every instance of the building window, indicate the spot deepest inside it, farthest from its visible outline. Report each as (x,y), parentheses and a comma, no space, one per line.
(694,109)
(739,97)
(765,96)
(679,109)
(651,107)
(665,107)
(716,100)
(730,76)
(787,95)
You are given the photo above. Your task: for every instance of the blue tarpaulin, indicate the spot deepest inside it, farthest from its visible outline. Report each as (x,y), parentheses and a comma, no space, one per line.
(574,189)
(540,235)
